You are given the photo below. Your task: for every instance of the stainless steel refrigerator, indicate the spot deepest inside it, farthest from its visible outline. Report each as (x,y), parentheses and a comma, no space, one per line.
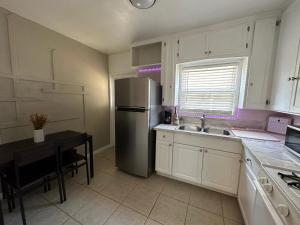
(138,110)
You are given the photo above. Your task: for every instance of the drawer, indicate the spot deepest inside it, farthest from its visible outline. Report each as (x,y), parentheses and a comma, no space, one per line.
(209,142)
(251,162)
(164,136)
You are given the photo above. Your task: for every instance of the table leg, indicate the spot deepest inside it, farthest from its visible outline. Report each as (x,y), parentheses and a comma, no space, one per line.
(91,156)
(1,212)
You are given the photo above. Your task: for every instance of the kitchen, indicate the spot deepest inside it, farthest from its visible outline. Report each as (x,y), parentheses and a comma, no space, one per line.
(189,117)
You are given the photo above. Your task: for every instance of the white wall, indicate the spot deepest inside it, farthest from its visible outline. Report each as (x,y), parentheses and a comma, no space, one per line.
(43,71)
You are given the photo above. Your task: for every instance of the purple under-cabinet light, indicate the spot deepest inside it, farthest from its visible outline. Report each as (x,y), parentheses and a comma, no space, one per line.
(149,69)
(236,116)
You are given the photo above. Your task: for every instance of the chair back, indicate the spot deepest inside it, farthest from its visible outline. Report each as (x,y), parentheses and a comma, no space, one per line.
(34,153)
(73,142)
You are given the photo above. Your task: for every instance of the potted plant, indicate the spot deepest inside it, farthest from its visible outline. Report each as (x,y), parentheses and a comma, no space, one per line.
(38,121)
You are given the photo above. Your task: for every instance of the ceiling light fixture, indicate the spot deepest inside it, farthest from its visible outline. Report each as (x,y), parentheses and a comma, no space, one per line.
(142,4)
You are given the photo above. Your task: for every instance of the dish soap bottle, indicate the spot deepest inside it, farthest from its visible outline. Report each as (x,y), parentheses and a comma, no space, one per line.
(175,117)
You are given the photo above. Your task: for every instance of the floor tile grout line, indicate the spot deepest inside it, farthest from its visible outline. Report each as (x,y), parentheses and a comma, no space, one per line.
(108,218)
(55,205)
(187,208)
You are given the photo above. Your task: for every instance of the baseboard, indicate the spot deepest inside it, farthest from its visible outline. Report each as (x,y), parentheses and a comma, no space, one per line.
(97,151)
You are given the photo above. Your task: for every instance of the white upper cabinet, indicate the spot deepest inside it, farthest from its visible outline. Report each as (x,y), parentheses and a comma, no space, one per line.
(192,47)
(187,162)
(285,81)
(168,70)
(120,63)
(261,64)
(221,170)
(231,41)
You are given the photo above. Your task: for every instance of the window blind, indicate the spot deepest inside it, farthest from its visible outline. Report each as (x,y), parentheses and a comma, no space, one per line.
(209,88)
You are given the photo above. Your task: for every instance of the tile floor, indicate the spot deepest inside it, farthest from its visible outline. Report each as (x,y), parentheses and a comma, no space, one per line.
(116,198)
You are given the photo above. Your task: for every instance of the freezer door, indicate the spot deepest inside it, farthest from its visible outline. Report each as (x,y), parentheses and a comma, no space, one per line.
(132,136)
(132,92)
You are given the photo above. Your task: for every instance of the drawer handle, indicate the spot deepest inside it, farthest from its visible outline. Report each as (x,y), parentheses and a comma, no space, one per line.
(205,151)
(250,161)
(164,136)
(170,145)
(200,150)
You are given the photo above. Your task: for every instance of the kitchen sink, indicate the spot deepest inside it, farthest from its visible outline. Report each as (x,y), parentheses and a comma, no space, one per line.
(205,130)
(190,128)
(217,131)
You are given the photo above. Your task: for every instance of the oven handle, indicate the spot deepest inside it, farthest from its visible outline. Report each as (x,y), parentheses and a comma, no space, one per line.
(268,204)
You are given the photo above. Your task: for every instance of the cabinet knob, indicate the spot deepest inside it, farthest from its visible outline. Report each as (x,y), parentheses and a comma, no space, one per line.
(251,84)
(263,180)
(205,151)
(206,52)
(209,52)
(283,210)
(268,187)
(164,136)
(170,145)
(295,78)
(200,150)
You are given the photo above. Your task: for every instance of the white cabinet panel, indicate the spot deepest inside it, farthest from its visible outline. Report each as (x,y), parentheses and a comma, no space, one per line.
(261,63)
(231,41)
(286,60)
(163,161)
(192,47)
(221,170)
(168,71)
(187,162)
(295,107)
(246,194)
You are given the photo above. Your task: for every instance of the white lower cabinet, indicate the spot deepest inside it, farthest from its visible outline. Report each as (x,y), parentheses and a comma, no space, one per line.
(246,194)
(217,169)
(163,158)
(221,170)
(187,162)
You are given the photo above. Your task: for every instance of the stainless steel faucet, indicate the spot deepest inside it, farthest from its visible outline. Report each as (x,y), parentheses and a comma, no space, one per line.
(203,120)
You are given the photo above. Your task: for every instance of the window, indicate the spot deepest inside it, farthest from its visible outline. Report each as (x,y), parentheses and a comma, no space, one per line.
(209,87)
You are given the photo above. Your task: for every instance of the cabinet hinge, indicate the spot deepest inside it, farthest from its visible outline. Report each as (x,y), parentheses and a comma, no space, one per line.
(178,41)
(248,28)
(177,54)
(278,22)
(267,102)
(165,44)
(247,45)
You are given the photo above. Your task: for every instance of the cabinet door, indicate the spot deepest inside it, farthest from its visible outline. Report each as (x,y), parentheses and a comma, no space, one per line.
(295,107)
(246,193)
(163,162)
(261,63)
(187,162)
(168,71)
(231,41)
(285,67)
(221,170)
(192,47)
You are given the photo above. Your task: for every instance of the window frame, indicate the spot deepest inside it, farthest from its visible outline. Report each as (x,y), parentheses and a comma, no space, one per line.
(240,61)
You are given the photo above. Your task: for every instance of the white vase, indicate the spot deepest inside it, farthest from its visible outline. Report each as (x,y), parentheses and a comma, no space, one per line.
(38,136)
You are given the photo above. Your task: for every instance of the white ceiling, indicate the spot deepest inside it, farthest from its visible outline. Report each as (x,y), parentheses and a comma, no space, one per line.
(112,25)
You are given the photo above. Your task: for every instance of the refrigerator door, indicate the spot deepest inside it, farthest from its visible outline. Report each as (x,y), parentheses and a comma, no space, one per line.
(132,135)
(132,92)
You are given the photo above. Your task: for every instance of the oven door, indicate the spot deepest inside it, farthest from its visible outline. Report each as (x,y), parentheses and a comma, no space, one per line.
(264,213)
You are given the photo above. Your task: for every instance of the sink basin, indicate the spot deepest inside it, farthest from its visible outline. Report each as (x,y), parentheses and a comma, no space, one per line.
(190,128)
(206,130)
(217,131)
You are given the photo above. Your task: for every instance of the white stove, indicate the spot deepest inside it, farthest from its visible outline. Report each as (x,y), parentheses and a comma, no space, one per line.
(282,193)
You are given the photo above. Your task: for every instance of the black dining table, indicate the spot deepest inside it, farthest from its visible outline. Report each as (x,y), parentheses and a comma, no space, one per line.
(7,150)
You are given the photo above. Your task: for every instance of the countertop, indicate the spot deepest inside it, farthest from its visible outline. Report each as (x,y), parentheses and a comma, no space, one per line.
(267,153)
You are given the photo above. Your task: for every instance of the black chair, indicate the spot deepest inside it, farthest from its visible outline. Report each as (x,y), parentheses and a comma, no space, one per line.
(32,167)
(1,213)
(71,160)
